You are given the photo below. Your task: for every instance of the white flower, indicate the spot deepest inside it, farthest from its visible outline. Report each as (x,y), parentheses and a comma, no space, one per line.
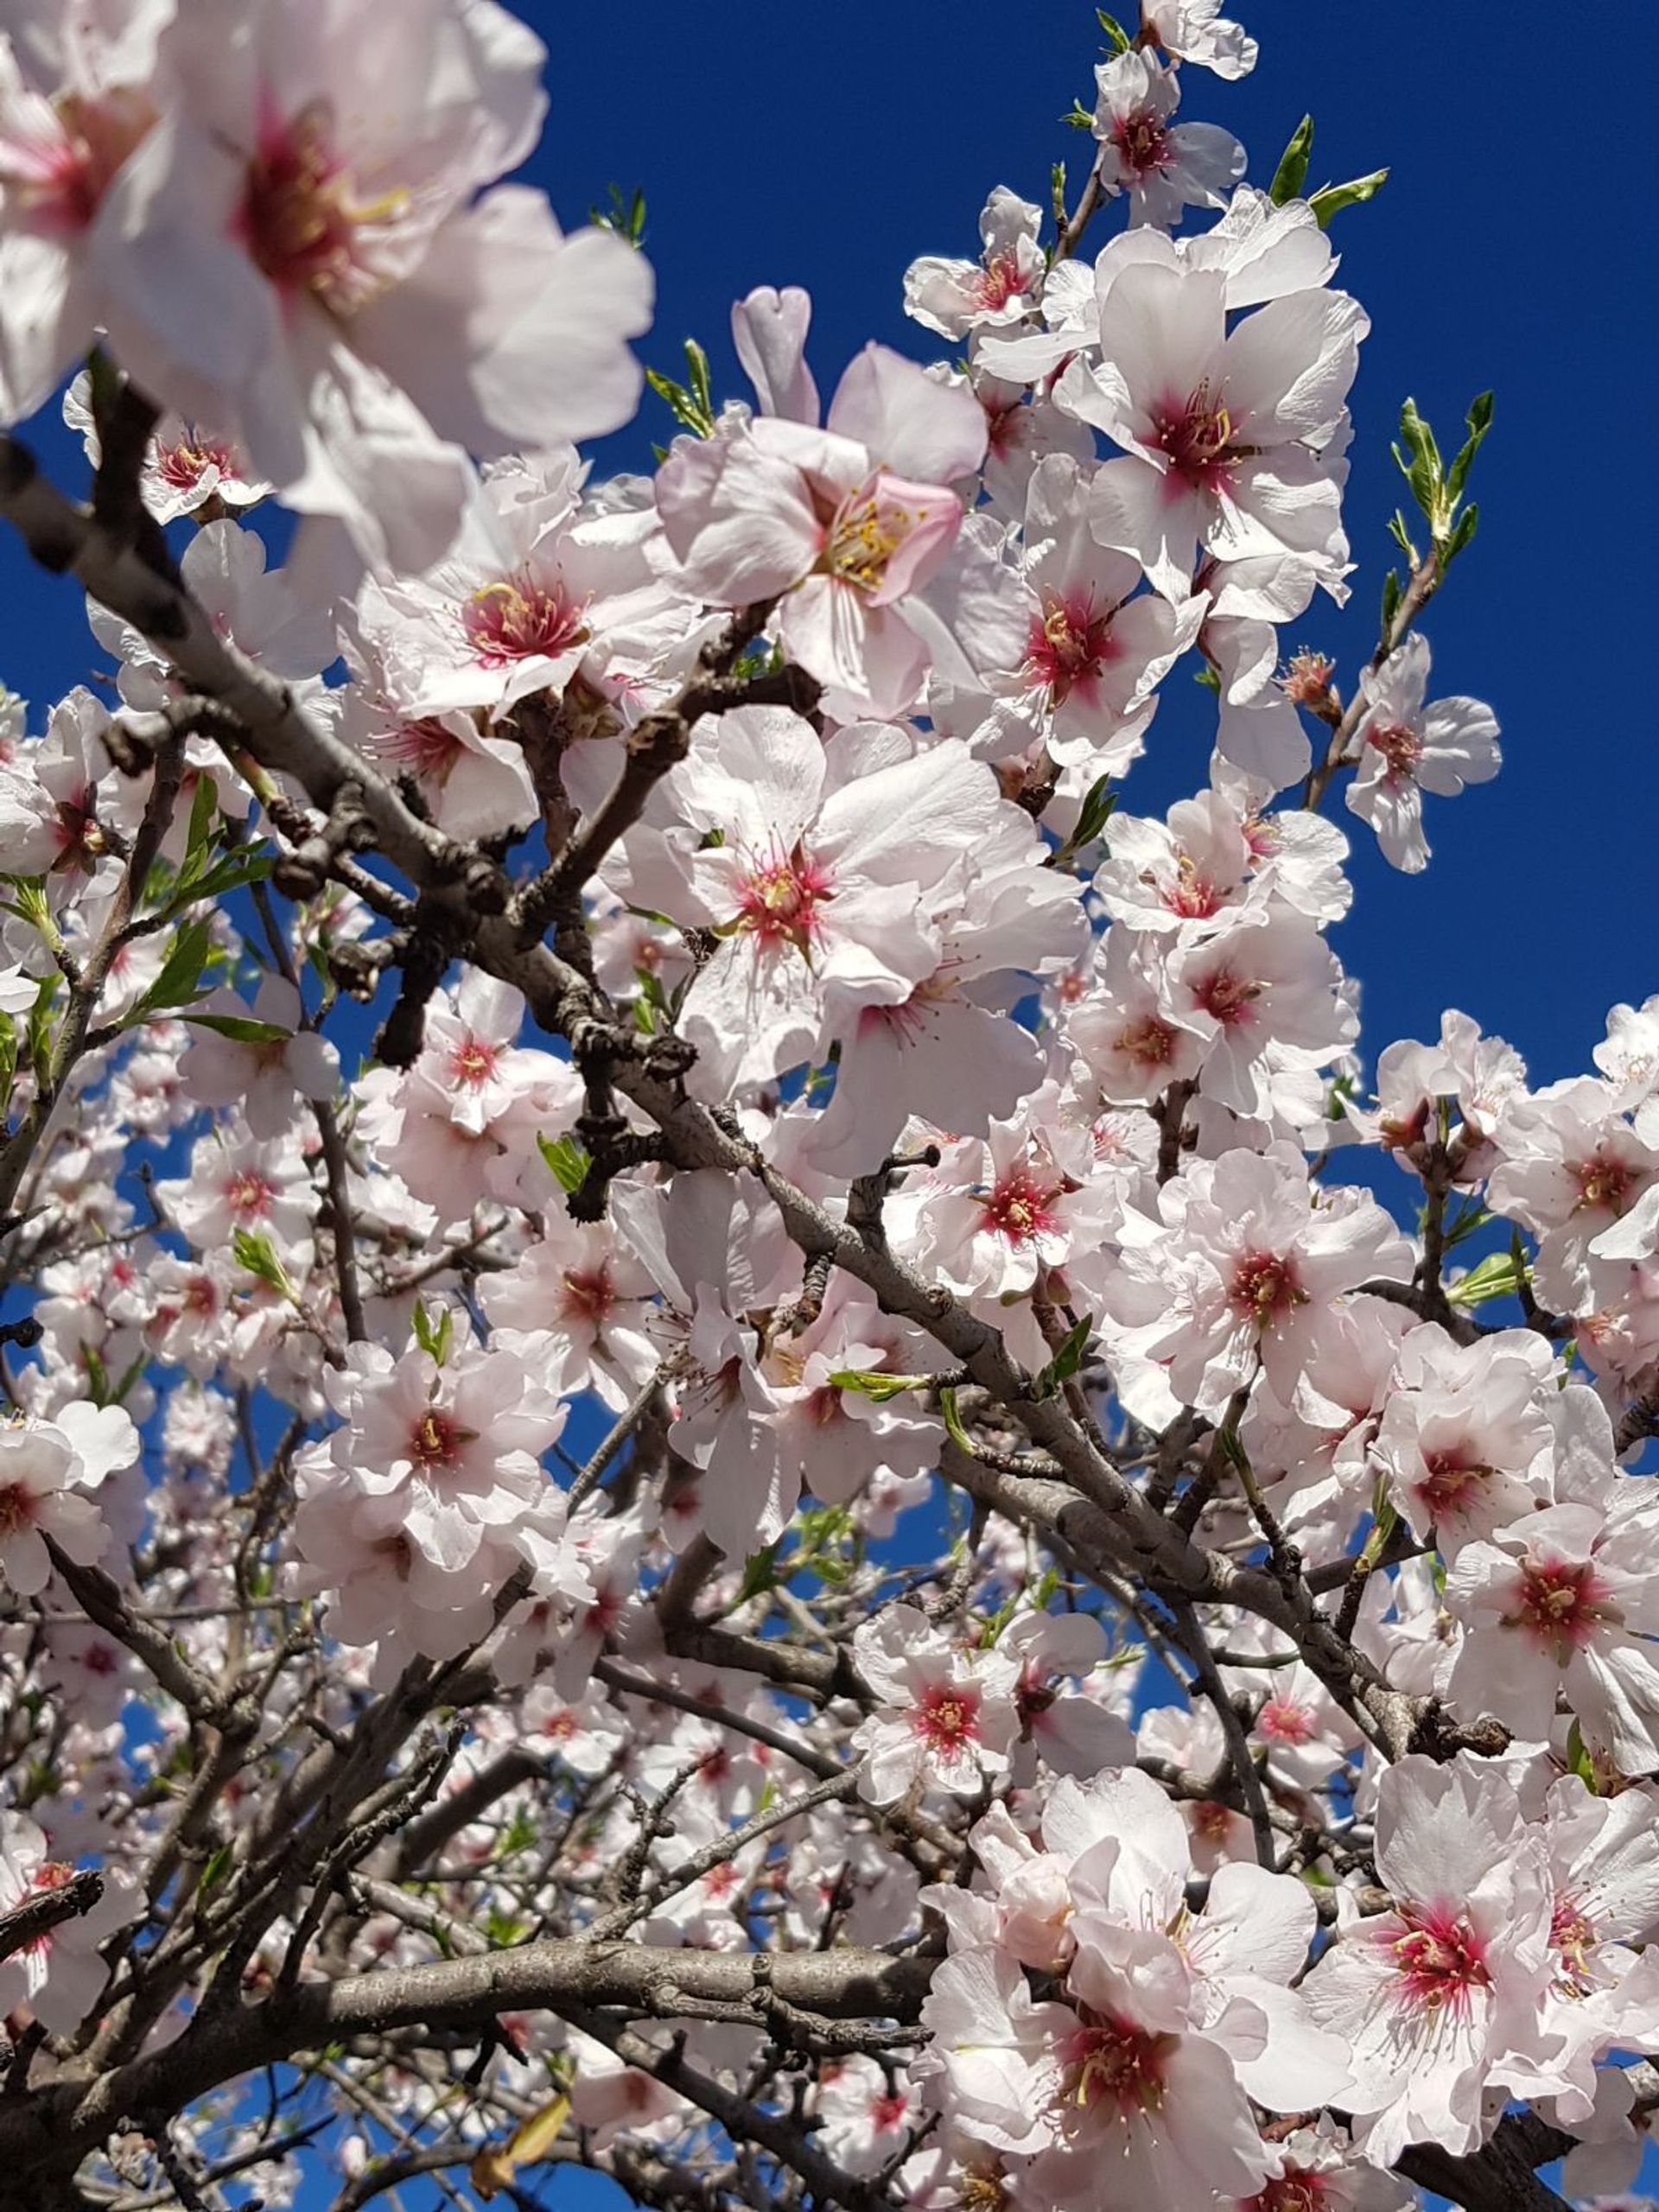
(1404,749)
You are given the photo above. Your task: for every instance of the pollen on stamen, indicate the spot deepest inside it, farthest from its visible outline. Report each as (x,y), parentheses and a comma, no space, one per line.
(948,1716)
(777,902)
(1113,2065)
(1142,138)
(474,1061)
(1197,434)
(1400,746)
(1439,1960)
(1560,1604)
(863,536)
(1264,1287)
(1020,1207)
(1067,645)
(520,617)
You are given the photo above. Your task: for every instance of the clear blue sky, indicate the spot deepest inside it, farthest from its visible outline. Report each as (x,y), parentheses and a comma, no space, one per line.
(828,145)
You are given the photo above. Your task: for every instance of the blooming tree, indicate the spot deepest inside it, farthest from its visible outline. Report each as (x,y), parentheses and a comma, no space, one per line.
(737,1447)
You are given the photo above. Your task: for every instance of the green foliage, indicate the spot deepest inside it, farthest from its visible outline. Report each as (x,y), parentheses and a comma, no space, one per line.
(692,402)
(1291,173)
(625,213)
(1066,1361)
(566,1161)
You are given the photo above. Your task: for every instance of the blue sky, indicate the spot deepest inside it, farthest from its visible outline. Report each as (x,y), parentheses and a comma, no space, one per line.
(828,145)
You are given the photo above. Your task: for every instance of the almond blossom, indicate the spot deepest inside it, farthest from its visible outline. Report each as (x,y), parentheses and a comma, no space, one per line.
(1164,167)
(361,308)
(843,523)
(956,298)
(1432,1995)
(945,1718)
(1197,31)
(1235,1273)
(808,867)
(1225,432)
(1405,748)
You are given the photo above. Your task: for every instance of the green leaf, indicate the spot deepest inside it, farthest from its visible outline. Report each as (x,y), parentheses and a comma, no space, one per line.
(97,1376)
(1094,814)
(1067,1360)
(627,217)
(1500,1275)
(241,1028)
(692,402)
(759,1573)
(954,1428)
(1392,591)
(1121,40)
(434,1338)
(254,1250)
(1331,199)
(1076,117)
(1479,419)
(1462,531)
(204,806)
(870,1382)
(566,1161)
(180,980)
(1291,173)
(218,1865)
(233,873)
(1474,1216)
(1420,464)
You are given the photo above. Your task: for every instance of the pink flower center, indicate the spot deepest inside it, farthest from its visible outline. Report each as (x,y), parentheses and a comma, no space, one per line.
(1265,1288)
(1573,1937)
(1452,1482)
(1113,2064)
(1307,678)
(984,2193)
(184,465)
(778,903)
(1400,746)
(520,619)
(1282,1722)
(1562,1604)
(300,219)
(18,1507)
(1227,997)
(1188,893)
(1149,1043)
(474,1061)
(998,283)
(1440,1959)
(1020,1208)
(58,183)
(888,2113)
(865,532)
(947,1717)
(1605,1186)
(1197,435)
(425,748)
(434,1442)
(1142,138)
(1296,2191)
(80,838)
(55,1874)
(250,1195)
(587,1296)
(1068,644)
